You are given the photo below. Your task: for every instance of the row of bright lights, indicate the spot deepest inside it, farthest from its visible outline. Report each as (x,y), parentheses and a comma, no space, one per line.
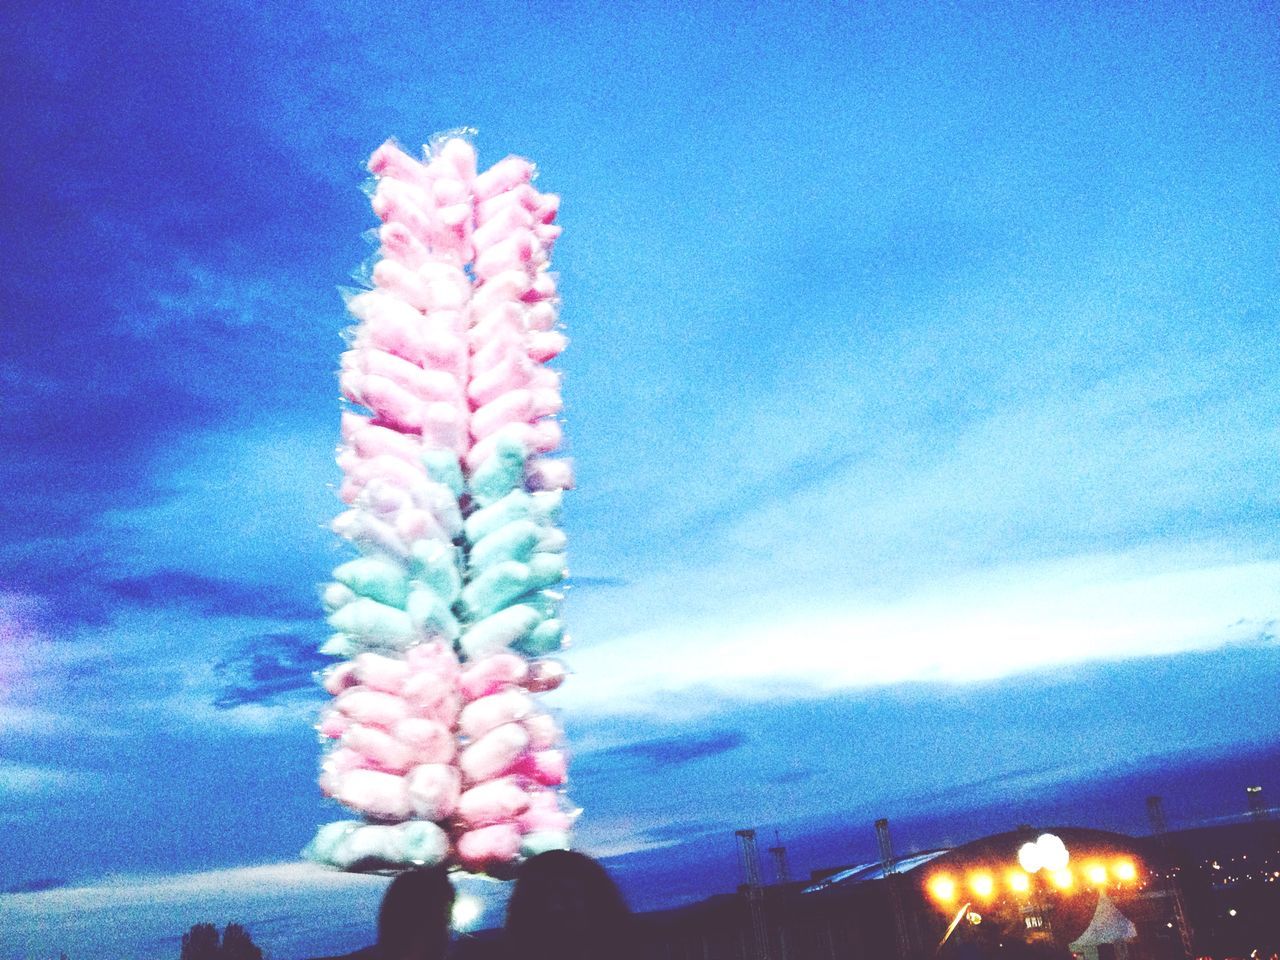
(982,883)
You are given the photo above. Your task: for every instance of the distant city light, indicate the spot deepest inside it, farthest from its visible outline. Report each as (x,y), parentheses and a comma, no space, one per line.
(982,884)
(1231,912)
(942,888)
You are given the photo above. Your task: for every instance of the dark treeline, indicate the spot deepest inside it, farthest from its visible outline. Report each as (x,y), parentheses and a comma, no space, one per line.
(202,942)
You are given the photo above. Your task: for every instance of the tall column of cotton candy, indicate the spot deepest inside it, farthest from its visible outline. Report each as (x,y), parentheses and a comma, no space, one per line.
(510,761)
(395,702)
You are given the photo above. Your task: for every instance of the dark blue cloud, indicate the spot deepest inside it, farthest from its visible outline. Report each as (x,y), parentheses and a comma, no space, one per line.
(667,752)
(214,596)
(269,666)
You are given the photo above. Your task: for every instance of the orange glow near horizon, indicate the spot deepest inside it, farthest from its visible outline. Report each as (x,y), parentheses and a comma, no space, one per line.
(1019,881)
(1097,873)
(1062,879)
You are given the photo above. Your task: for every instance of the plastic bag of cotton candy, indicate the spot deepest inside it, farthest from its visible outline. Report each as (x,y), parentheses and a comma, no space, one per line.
(445,620)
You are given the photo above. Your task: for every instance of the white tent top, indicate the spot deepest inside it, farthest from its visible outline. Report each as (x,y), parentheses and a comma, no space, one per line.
(1108,925)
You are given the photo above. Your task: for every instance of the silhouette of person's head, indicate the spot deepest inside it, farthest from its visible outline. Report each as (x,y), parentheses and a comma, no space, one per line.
(413,923)
(566,905)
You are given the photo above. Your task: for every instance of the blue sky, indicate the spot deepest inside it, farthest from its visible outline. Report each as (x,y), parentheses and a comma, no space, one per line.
(921,389)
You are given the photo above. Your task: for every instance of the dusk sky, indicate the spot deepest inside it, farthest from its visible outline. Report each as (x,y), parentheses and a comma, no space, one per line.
(922,390)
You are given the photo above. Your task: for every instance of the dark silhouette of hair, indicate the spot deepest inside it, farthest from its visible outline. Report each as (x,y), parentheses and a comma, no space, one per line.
(565,905)
(414,918)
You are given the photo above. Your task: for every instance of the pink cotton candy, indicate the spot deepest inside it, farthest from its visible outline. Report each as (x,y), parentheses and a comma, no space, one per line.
(542,729)
(399,243)
(523,196)
(332,725)
(513,407)
(490,674)
(542,473)
(542,288)
(544,345)
(390,161)
(394,405)
(385,674)
(400,202)
(428,740)
(512,253)
(368,531)
(380,749)
(498,801)
(366,706)
(487,713)
(458,156)
(373,792)
(545,676)
(337,764)
(503,337)
(493,754)
(498,316)
(415,524)
(339,677)
(425,384)
(503,222)
(544,813)
(506,286)
(369,440)
(488,846)
(507,174)
(514,372)
(541,316)
(547,767)
(541,437)
(432,697)
(433,790)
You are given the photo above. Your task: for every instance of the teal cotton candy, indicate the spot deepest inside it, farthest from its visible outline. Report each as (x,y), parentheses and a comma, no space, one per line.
(443,467)
(378,578)
(546,602)
(422,843)
(518,540)
(430,615)
(369,618)
(546,570)
(499,631)
(324,845)
(495,589)
(546,638)
(340,645)
(436,566)
(540,841)
(336,595)
(501,473)
(542,507)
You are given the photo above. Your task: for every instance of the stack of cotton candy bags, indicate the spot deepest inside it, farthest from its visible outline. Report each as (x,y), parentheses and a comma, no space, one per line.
(444,623)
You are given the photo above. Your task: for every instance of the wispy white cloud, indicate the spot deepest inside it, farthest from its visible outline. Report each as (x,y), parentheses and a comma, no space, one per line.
(980,625)
(24,780)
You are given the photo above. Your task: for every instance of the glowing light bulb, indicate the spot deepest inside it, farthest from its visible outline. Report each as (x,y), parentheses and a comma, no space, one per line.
(982,884)
(1062,879)
(1125,870)
(942,888)
(1097,874)
(1019,881)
